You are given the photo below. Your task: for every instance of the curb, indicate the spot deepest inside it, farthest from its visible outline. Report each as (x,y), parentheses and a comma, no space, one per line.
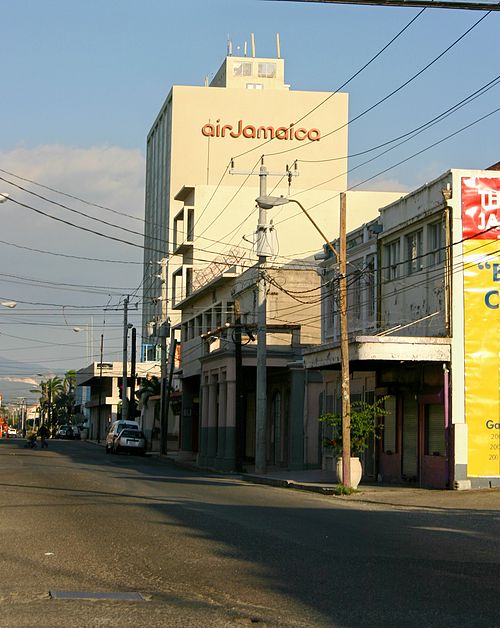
(300,486)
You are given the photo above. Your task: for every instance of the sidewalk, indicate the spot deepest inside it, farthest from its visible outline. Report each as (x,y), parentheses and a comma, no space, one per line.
(324,483)
(403,496)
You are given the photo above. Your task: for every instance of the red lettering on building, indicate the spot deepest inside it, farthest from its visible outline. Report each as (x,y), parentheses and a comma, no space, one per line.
(249,131)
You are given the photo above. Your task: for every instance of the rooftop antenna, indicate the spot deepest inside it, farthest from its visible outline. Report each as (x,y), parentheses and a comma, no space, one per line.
(253,45)
(278,49)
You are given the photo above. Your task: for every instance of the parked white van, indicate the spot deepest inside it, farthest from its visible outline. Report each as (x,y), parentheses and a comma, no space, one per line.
(115,429)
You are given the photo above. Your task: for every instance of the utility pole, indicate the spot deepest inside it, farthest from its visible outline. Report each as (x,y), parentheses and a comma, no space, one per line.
(240,395)
(261,383)
(163,333)
(344,347)
(98,436)
(166,383)
(341,255)
(265,248)
(125,360)
(133,365)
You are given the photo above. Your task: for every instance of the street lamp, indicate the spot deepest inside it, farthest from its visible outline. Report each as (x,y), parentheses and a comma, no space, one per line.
(268,202)
(4,197)
(10,304)
(89,336)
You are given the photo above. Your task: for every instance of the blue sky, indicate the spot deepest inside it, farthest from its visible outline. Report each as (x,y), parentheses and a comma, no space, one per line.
(82,82)
(95,72)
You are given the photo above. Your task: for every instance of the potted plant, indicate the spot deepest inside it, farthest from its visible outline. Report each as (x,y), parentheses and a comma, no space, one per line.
(364,426)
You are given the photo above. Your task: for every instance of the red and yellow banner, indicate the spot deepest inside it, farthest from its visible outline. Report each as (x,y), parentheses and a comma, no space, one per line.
(481,250)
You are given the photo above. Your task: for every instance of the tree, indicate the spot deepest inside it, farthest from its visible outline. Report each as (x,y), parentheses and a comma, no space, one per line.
(49,392)
(149,388)
(364,425)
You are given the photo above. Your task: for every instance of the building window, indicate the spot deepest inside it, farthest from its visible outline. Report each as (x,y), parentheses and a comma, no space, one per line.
(414,251)
(207,321)
(255,86)
(242,68)
(354,294)
(435,234)
(370,287)
(230,312)
(218,315)
(189,281)
(332,308)
(392,260)
(177,286)
(190,224)
(199,325)
(267,70)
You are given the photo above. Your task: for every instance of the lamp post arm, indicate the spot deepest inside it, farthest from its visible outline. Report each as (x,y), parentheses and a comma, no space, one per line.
(327,241)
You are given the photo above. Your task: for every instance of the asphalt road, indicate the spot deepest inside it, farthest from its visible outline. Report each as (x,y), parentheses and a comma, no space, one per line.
(211,550)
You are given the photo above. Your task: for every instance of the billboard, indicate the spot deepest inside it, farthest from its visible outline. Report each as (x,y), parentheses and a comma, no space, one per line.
(481,255)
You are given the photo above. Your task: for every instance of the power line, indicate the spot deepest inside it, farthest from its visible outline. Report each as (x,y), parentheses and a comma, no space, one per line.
(78,257)
(76,198)
(394,91)
(58,283)
(426,4)
(415,131)
(70,209)
(70,224)
(344,84)
(434,144)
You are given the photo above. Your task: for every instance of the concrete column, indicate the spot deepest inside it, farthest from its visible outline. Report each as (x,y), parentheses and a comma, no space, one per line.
(230,444)
(221,425)
(212,421)
(204,409)
(296,425)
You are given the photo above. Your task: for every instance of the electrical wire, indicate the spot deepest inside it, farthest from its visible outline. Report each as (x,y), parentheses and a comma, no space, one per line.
(393,92)
(344,84)
(416,130)
(416,154)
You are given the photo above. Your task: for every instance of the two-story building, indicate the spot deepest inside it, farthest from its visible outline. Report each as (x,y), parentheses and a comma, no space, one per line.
(104,380)
(423,316)
(219,355)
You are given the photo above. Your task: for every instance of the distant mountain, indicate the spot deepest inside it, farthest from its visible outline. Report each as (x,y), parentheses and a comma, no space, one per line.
(17,379)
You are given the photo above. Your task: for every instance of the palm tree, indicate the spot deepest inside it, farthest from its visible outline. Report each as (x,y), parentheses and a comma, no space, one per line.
(43,401)
(65,399)
(53,389)
(69,381)
(149,388)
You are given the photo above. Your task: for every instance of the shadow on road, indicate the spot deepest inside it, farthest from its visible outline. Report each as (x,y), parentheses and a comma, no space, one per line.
(346,563)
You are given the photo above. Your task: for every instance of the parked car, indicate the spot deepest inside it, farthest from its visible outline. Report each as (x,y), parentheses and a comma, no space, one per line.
(69,432)
(131,440)
(12,431)
(115,429)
